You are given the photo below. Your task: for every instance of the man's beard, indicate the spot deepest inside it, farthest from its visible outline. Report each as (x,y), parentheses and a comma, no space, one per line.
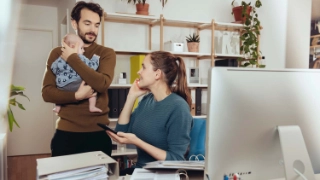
(83,36)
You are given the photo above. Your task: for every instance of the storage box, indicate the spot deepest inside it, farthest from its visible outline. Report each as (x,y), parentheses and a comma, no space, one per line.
(173,46)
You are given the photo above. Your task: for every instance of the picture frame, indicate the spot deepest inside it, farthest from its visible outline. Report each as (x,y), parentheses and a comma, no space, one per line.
(193,76)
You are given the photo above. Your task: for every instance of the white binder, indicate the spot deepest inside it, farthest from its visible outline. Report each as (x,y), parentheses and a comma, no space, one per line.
(69,163)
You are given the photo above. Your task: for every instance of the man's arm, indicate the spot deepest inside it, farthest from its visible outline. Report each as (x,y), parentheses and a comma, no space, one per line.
(50,92)
(101,79)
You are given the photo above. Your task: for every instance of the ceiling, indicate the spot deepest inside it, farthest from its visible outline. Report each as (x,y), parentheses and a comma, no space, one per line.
(315,15)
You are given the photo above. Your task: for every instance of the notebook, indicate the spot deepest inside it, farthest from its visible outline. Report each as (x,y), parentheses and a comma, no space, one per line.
(91,165)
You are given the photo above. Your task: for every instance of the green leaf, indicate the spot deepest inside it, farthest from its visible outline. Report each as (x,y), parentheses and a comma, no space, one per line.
(246,64)
(20,94)
(17,88)
(12,101)
(20,105)
(253,62)
(11,119)
(262,66)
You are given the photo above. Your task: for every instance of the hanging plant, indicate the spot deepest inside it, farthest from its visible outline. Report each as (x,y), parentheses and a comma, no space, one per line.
(250,34)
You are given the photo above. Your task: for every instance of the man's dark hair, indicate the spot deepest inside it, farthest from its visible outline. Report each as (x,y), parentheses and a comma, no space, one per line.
(76,11)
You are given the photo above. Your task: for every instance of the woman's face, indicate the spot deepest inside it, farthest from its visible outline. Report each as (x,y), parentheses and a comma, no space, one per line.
(146,73)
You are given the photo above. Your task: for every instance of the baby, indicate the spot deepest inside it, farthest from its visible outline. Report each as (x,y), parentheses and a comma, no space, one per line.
(66,78)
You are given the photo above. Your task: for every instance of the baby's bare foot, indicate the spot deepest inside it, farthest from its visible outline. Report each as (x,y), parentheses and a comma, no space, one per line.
(94,109)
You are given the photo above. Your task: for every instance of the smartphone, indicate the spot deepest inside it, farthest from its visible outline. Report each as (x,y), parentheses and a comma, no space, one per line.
(105,127)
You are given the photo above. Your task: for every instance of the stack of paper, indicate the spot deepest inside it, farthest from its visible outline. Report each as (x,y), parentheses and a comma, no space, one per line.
(93,173)
(187,165)
(145,174)
(91,165)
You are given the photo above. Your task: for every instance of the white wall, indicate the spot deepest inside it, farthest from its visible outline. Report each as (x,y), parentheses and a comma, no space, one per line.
(40,17)
(64,7)
(8,20)
(298,33)
(273,17)
(273,37)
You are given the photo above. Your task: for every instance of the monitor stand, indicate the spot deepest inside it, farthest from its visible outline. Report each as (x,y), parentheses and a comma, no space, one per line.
(295,154)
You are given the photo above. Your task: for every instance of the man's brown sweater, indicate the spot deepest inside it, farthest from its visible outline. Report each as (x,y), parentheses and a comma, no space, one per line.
(75,115)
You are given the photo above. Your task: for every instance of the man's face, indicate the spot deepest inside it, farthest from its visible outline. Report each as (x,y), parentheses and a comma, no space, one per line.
(88,26)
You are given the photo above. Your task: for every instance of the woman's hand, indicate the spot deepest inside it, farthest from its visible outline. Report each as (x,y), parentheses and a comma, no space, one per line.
(67,50)
(136,91)
(123,138)
(84,92)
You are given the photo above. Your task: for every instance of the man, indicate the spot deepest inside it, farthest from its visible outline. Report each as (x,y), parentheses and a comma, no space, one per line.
(76,128)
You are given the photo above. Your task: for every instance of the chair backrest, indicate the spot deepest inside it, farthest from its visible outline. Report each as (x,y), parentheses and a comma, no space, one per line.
(198,138)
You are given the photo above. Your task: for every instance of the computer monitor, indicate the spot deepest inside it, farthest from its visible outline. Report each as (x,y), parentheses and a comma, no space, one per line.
(245,107)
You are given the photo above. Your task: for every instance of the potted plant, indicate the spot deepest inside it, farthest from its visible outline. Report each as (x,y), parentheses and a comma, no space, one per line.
(193,42)
(249,36)
(143,7)
(15,91)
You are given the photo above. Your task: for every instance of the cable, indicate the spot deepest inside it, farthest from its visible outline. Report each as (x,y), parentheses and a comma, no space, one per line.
(300,174)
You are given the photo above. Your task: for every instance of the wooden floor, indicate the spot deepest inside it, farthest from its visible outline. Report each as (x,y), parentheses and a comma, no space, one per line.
(23,167)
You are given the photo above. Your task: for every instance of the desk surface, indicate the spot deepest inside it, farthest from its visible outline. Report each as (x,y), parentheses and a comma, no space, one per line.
(128,177)
(316,175)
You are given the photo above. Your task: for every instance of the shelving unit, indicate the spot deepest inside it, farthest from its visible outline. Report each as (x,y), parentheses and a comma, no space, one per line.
(161,22)
(114,86)
(315,49)
(152,21)
(126,152)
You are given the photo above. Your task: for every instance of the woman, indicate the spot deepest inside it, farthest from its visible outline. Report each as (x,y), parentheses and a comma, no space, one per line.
(160,125)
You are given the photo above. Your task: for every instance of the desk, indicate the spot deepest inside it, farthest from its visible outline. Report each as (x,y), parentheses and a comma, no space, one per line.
(316,175)
(127,177)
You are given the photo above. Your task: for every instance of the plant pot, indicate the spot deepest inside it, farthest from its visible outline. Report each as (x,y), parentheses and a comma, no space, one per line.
(193,46)
(142,9)
(237,13)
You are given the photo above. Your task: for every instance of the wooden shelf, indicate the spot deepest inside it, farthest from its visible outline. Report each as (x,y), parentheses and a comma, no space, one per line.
(130,18)
(127,52)
(152,20)
(113,119)
(198,55)
(182,54)
(227,56)
(162,22)
(187,24)
(314,36)
(197,85)
(316,46)
(124,153)
(228,26)
(116,119)
(201,116)
(114,86)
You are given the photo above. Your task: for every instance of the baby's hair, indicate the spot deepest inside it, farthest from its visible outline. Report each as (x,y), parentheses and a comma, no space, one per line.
(71,39)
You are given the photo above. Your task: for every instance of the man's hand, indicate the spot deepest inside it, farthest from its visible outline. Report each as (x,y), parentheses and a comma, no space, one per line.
(67,50)
(84,92)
